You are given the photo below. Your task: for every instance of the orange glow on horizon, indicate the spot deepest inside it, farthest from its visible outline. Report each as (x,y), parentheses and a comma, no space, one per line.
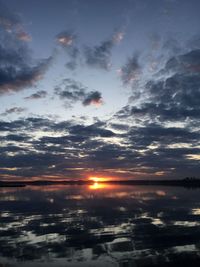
(98,179)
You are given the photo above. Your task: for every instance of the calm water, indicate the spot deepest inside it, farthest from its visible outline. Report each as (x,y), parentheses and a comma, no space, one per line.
(99,225)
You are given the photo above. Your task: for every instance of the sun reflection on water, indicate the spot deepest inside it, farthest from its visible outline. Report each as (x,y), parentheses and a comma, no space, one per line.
(97,186)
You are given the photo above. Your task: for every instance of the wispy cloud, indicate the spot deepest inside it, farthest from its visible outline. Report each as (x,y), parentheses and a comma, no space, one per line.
(13,110)
(8,19)
(23,36)
(11,23)
(65,38)
(37,95)
(131,71)
(99,56)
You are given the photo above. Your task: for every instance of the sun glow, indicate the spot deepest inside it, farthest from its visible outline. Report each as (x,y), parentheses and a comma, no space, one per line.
(98,182)
(98,179)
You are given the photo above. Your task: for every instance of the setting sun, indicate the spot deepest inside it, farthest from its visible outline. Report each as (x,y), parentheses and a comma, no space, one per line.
(98,179)
(98,182)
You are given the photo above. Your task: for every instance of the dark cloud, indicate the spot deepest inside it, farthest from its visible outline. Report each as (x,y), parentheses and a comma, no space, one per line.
(29,124)
(37,95)
(72,91)
(131,71)
(91,130)
(142,150)
(93,98)
(164,124)
(74,150)
(175,96)
(15,110)
(17,68)
(16,74)
(119,126)
(100,56)
(15,138)
(32,154)
(151,133)
(157,133)
(185,63)
(172,95)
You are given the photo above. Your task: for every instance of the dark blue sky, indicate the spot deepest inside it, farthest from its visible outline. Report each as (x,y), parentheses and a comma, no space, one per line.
(99,88)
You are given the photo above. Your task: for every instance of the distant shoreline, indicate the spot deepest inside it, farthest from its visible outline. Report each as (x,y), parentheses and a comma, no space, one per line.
(189,183)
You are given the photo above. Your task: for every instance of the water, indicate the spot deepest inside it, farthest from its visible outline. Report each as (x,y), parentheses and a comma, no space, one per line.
(99,225)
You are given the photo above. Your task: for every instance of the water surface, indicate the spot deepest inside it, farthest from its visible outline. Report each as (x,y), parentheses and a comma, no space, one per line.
(99,225)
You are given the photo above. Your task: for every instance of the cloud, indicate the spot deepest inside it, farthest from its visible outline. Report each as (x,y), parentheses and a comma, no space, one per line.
(8,19)
(170,95)
(16,71)
(118,37)
(37,95)
(172,45)
(65,38)
(151,133)
(17,68)
(100,56)
(131,71)
(14,138)
(163,118)
(189,62)
(77,150)
(73,54)
(23,36)
(93,98)
(72,91)
(11,23)
(15,77)
(46,151)
(176,94)
(16,110)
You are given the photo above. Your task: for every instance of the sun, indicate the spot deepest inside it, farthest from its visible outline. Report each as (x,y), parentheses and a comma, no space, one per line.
(97,179)
(97,182)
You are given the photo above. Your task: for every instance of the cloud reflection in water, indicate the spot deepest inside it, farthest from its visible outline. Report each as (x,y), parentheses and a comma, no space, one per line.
(99,223)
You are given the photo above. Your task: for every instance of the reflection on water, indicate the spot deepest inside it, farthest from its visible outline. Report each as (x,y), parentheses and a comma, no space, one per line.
(99,225)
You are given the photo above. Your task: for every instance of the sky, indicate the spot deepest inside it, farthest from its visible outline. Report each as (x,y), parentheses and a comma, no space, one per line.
(96,88)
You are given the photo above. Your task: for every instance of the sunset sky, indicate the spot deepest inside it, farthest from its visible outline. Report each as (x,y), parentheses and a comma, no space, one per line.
(99,88)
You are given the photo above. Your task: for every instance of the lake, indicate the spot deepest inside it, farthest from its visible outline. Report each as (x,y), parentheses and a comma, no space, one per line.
(99,225)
